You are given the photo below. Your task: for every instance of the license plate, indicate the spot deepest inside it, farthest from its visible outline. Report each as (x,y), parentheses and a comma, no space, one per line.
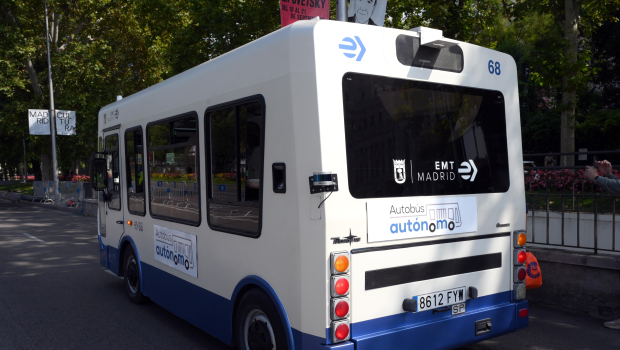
(440,299)
(458,309)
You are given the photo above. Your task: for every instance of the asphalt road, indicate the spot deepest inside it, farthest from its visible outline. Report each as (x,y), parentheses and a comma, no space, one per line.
(55,295)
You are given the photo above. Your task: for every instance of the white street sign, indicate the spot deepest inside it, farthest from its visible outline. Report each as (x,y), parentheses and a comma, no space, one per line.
(39,121)
(65,123)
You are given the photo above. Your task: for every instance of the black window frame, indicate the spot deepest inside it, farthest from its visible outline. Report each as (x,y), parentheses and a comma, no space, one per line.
(127,172)
(235,103)
(148,168)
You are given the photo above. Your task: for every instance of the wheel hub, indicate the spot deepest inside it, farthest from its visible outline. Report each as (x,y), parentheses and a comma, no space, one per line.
(259,337)
(132,275)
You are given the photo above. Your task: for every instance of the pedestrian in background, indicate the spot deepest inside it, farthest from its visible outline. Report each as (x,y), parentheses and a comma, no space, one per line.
(549,160)
(608,181)
(611,184)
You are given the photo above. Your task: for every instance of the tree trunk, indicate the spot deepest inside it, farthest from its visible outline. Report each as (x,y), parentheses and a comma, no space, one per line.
(34,80)
(569,93)
(47,173)
(36,169)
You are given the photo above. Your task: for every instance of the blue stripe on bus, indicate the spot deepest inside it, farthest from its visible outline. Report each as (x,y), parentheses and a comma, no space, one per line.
(409,318)
(451,332)
(198,306)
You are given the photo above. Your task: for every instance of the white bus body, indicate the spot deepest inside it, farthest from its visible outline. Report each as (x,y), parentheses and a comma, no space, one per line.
(430,190)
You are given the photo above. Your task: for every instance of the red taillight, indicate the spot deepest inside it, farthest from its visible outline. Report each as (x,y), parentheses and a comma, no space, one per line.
(342,286)
(342,308)
(521,274)
(521,257)
(342,331)
(523,313)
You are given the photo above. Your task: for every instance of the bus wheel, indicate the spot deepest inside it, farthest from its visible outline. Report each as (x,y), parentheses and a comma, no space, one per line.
(132,276)
(258,323)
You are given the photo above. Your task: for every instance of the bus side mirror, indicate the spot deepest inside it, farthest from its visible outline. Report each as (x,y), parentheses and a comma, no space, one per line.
(98,174)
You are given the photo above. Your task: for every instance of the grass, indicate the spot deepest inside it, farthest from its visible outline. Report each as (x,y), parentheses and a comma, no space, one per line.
(19,188)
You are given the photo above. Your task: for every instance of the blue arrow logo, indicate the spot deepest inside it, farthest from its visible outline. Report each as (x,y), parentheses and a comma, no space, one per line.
(353,47)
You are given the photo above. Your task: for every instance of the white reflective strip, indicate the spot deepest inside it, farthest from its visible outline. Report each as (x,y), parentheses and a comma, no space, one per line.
(112,273)
(33,237)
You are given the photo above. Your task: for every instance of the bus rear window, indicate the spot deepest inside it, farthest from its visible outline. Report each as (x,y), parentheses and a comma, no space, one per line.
(411,138)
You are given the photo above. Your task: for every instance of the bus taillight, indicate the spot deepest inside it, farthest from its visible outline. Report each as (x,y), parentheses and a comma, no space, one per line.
(342,331)
(519,274)
(340,305)
(339,262)
(340,308)
(519,257)
(340,286)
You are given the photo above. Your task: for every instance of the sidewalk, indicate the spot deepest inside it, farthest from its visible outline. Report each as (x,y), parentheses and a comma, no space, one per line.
(556,328)
(86,208)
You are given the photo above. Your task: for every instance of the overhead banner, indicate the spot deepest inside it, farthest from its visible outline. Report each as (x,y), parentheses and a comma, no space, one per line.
(65,123)
(292,11)
(421,217)
(39,121)
(367,12)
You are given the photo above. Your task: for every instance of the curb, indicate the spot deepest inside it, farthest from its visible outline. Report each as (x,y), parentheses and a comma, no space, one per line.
(19,199)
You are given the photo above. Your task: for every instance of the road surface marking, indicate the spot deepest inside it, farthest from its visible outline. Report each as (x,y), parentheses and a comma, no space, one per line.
(112,273)
(33,237)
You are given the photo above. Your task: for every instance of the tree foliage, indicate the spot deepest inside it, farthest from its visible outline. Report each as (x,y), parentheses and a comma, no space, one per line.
(104,48)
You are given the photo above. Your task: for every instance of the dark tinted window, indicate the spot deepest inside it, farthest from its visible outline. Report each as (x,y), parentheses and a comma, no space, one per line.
(409,138)
(236,165)
(134,157)
(173,169)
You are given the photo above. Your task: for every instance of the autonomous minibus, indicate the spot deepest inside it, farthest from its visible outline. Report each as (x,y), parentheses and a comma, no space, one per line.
(330,185)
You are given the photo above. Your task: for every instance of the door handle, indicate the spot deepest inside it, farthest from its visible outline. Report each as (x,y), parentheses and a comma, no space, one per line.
(120,222)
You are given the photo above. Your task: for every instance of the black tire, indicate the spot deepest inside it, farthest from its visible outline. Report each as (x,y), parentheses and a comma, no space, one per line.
(256,307)
(131,277)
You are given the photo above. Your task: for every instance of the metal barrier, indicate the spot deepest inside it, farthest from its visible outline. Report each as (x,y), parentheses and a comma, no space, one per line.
(159,193)
(568,211)
(39,190)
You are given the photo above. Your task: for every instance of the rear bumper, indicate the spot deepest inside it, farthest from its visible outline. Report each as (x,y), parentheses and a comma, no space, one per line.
(447,333)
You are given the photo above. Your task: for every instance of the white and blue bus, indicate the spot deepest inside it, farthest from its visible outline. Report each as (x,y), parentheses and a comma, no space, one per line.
(328,186)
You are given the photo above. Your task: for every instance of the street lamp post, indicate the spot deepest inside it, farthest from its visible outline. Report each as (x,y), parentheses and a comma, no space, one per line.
(52,111)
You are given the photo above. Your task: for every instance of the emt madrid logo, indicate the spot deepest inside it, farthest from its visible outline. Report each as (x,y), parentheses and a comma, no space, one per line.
(400,175)
(421,217)
(176,249)
(353,47)
(442,171)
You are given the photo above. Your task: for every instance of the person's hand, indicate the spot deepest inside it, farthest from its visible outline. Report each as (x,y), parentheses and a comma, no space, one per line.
(590,173)
(604,167)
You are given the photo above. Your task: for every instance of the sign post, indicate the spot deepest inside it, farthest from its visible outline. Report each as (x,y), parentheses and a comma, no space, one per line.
(52,111)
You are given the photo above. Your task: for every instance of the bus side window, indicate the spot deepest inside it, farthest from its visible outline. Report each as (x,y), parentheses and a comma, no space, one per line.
(172,158)
(135,171)
(236,167)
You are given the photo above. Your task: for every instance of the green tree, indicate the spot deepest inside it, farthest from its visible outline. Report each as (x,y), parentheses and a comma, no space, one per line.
(570,69)
(99,49)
